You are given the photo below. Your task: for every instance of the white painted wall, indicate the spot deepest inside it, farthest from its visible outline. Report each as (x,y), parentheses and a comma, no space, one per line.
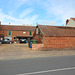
(71,23)
(8,38)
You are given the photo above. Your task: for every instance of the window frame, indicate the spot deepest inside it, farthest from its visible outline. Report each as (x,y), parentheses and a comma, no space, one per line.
(9,32)
(30,33)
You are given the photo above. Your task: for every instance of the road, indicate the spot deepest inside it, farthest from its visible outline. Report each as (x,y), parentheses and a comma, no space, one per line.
(60,65)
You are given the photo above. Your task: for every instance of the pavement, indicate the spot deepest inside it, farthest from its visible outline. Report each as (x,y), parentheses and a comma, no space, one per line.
(57,65)
(21,51)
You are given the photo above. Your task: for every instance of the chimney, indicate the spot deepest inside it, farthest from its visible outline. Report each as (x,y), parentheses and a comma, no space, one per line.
(0,22)
(67,21)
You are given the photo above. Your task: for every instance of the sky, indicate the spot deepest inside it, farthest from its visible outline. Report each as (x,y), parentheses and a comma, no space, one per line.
(32,12)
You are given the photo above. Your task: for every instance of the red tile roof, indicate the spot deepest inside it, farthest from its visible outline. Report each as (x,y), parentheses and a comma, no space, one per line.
(17,28)
(57,30)
(73,19)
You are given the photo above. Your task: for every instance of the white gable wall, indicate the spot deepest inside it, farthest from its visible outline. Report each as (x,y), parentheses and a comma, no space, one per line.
(71,23)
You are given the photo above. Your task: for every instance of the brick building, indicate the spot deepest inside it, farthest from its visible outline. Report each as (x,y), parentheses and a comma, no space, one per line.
(1,35)
(14,32)
(56,37)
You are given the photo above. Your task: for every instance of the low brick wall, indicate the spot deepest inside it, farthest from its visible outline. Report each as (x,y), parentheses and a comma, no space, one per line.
(59,42)
(55,43)
(37,46)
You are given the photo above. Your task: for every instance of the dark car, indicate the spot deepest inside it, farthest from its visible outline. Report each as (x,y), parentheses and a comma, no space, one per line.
(5,41)
(22,40)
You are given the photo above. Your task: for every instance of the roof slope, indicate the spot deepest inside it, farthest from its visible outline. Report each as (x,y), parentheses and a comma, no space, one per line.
(17,28)
(57,30)
(73,19)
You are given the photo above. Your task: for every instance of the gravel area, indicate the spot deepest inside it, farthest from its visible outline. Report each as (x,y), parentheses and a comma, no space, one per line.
(18,51)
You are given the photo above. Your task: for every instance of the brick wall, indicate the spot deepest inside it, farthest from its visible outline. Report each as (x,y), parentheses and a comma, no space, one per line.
(1,32)
(20,33)
(1,35)
(15,33)
(59,42)
(37,37)
(37,46)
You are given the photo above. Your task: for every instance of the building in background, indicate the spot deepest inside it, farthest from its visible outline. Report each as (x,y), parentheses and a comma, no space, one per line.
(14,32)
(71,22)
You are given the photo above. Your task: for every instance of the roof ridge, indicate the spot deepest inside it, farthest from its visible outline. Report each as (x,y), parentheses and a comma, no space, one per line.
(73,19)
(57,26)
(16,25)
(57,30)
(10,27)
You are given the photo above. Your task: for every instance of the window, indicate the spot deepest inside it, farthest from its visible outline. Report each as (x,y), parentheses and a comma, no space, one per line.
(30,33)
(9,32)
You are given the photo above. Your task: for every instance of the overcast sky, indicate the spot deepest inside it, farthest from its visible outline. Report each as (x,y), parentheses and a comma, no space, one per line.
(50,12)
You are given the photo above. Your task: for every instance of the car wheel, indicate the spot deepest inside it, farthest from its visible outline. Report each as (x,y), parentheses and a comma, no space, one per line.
(10,42)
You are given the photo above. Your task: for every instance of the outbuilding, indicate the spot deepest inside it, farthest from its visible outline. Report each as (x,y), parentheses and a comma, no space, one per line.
(16,32)
(54,37)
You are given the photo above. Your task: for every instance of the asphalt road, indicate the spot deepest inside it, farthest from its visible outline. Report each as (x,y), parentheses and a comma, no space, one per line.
(60,65)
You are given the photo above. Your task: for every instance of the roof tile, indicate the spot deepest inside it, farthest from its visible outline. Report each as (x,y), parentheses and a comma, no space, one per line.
(73,19)
(57,30)
(17,28)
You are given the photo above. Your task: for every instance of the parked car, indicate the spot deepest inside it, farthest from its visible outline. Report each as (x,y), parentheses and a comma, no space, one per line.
(22,40)
(6,41)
